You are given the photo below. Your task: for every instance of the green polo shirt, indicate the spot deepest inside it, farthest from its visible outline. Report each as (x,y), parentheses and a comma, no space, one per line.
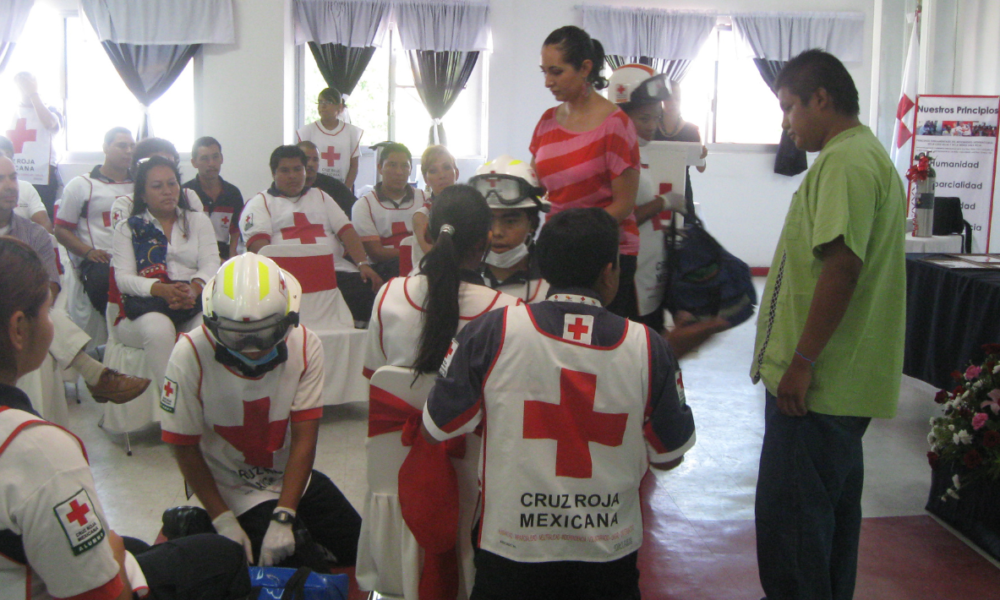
(851,190)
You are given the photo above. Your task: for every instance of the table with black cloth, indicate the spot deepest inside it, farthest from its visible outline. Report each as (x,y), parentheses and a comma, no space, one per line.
(950,314)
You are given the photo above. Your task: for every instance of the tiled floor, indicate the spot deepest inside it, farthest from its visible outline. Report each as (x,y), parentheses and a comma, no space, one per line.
(699,539)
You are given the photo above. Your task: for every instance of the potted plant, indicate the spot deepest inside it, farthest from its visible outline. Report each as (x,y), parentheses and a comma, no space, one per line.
(965,453)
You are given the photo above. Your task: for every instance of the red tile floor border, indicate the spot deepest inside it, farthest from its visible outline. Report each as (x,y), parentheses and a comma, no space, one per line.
(901,558)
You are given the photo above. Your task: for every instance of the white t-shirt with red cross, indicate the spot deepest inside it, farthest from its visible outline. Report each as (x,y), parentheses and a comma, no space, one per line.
(312,218)
(398,318)
(86,205)
(336,146)
(48,500)
(376,217)
(242,425)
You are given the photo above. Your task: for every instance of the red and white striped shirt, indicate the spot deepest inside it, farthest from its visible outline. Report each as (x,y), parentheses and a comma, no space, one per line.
(577,168)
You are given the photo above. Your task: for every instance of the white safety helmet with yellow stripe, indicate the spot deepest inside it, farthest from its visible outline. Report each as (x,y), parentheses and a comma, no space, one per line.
(637,84)
(251,303)
(507,182)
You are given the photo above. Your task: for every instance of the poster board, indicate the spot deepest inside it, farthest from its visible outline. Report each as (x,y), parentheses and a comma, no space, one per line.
(960,132)
(32,145)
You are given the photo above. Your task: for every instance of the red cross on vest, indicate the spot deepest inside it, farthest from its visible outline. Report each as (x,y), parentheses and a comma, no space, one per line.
(578,329)
(573,424)
(330,156)
(258,438)
(21,134)
(303,230)
(79,513)
(224,220)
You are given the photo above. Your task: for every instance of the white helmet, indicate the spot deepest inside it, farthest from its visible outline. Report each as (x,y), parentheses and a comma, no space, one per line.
(637,83)
(251,303)
(507,182)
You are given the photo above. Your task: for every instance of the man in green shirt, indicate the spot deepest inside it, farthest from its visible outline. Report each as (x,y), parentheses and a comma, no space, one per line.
(829,336)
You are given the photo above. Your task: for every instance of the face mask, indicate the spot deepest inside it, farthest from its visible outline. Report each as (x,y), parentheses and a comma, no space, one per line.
(258,362)
(507,259)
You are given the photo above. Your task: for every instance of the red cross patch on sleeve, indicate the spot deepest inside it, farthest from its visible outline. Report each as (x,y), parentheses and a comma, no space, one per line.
(578,328)
(443,370)
(79,522)
(168,400)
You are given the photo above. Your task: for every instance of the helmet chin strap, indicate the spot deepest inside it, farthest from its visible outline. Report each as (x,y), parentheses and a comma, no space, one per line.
(248,368)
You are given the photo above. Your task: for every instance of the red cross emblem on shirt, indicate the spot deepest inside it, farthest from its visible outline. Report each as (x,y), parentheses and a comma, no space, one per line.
(168,390)
(330,156)
(573,424)
(224,220)
(578,329)
(303,230)
(21,134)
(79,513)
(258,438)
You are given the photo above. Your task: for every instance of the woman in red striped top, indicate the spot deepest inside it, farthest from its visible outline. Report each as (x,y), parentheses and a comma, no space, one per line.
(585,150)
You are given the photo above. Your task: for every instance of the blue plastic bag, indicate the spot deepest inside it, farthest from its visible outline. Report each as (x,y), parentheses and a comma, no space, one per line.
(274,584)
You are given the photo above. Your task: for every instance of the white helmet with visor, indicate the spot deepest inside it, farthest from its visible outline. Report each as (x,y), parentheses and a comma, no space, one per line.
(506,182)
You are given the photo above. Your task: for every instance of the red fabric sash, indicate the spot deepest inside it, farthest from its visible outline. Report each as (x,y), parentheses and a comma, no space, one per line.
(428,491)
(406,260)
(315,273)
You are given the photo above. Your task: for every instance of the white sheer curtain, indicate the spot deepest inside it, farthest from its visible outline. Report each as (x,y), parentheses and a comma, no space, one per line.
(783,35)
(977,48)
(13,16)
(351,23)
(442,25)
(169,22)
(656,33)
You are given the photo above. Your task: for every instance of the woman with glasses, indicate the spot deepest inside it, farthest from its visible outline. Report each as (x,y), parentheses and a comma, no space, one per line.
(162,256)
(513,194)
(338,141)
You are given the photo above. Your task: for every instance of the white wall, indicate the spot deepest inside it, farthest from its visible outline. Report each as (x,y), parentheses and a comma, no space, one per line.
(741,199)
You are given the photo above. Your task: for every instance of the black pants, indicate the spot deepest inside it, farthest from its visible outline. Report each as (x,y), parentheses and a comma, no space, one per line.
(357,293)
(96,277)
(49,192)
(499,578)
(197,567)
(626,304)
(324,512)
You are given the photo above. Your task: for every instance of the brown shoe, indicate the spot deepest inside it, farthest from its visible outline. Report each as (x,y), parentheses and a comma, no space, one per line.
(117,387)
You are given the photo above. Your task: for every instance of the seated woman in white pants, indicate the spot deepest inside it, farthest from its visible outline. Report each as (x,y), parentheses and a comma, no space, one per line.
(162,256)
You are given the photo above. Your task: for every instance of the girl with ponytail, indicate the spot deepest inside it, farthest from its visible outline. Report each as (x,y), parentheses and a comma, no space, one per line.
(586,152)
(415,318)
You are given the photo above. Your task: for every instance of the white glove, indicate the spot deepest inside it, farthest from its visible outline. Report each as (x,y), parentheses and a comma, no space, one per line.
(227,525)
(279,542)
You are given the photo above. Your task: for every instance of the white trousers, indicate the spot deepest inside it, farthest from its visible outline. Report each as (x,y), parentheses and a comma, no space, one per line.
(69,339)
(155,334)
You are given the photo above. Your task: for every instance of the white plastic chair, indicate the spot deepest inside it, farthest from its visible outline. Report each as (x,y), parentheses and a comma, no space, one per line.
(389,558)
(325,312)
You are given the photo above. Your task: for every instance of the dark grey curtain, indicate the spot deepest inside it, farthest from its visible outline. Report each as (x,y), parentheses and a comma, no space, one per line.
(341,66)
(790,160)
(675,69)
(148,71)
(439,78)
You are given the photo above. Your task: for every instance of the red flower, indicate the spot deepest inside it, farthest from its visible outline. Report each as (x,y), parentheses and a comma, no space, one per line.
(972,459)
(957,376)
(991,348)
(991,439)
(933,459)
(958,390)
(941,397)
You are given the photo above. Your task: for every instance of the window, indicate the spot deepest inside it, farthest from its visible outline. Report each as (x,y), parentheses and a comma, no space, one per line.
(386,104)
(745,109)
(76,76)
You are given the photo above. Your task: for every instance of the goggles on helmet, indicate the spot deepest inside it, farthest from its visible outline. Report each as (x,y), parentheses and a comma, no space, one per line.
(507,189)
(654,89)
(254,336)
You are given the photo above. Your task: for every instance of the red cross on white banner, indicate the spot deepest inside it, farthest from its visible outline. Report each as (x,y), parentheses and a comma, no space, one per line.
(258,438)
(78,514)
(330,156)
(573,424)
(578,328)
(303,230)
(21,134)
